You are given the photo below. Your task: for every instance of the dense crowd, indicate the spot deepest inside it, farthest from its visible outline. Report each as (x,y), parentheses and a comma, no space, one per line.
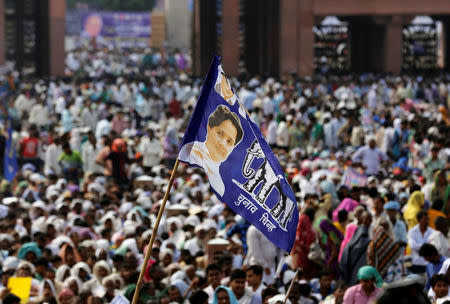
(96,149)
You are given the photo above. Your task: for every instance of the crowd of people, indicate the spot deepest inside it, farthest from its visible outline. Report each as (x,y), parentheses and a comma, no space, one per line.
(97,147)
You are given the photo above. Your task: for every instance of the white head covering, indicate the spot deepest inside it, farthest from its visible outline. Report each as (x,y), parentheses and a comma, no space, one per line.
(80,265)
(98,265)
(73,279)
(102,244)
(61,184)
(164,252)
(52,287)
(109,278)
(60,272)
(129,227)
(28,264)
(181,286)
(279,298)
(131,245)
(118,278)
(10,263)
(6,237)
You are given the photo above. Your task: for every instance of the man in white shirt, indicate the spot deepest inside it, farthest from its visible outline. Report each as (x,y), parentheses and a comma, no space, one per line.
(151,149)
(103,127)
(22,104)
(439,237)
(51,165)
(60,105)
(283,135)
(372,98)
(261,252)
(417,236)
(88,118)
(39,114)
(243,294)
(272,128)
(196,244)
(213,275)
(254,278)
(370,157)
(89,152)
(268,104)
(337,122)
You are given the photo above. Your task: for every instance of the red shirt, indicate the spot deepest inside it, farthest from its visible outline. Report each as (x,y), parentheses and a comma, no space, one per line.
(29,147)
(175,108)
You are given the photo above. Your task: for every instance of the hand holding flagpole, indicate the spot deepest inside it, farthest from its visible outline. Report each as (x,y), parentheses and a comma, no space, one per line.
(291,286)
(153,236)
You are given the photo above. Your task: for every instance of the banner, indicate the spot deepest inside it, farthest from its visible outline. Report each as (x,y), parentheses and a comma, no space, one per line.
(116,24)
(20,287)
(243,171)
(120,299)
(352,178)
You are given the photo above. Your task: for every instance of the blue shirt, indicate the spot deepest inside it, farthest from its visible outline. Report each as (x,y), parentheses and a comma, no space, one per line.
(432,269)
(241,229)
(401,235)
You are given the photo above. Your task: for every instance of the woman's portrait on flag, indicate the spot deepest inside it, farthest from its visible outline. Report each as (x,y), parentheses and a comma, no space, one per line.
(224,132)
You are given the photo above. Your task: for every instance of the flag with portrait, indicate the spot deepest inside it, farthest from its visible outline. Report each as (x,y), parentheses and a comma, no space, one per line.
(242,170)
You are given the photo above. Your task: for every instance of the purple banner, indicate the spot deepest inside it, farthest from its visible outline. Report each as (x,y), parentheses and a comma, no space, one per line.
(353,178)
(116,24)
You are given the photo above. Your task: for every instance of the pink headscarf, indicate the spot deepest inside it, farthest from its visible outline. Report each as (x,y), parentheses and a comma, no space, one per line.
(147,277)
(349,231)
(347,204)
(66,292)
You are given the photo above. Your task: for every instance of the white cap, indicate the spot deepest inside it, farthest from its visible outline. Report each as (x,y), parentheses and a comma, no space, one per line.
(40,204)
(10,263)
(35,177)
(9,200)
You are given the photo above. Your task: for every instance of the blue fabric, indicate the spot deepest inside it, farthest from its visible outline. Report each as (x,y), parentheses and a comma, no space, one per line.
(10,166)
(401,235)
(391,205)
(243,171)
(29,247)
(368,273)
(354,255)
(231,295)
(433,269)
(241,229)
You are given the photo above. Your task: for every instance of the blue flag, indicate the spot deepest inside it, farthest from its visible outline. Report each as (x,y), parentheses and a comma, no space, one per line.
(10,166)
(242,170)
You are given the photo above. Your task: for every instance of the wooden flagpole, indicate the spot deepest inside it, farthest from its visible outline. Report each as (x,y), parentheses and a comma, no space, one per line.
(153,236)
(290,286)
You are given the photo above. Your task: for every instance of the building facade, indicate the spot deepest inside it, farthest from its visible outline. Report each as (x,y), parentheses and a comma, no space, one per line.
(32,35)
(277,37)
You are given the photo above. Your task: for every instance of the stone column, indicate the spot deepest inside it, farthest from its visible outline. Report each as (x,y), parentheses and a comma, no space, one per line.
(196,62)
(393,45)
(305,38)
(288,36)
(2,33)
(230,37)
(57,25)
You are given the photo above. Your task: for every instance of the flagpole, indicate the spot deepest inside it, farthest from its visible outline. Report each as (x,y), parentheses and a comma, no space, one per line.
(290,286)
(153,236)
